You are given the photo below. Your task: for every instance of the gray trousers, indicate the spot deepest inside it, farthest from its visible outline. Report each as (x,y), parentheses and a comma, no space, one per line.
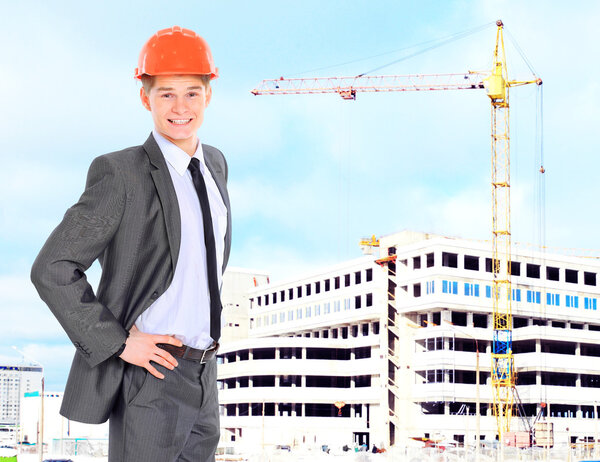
(175,419)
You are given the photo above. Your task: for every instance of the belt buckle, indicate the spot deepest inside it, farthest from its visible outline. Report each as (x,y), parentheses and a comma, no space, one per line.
(215,349)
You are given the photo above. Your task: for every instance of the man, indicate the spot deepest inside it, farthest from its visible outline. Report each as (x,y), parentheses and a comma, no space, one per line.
(157,218)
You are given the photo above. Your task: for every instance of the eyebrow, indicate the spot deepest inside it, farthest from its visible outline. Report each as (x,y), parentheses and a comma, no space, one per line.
(196,87)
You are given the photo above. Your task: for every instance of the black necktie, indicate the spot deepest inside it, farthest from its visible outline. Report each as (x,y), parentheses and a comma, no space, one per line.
(211,253)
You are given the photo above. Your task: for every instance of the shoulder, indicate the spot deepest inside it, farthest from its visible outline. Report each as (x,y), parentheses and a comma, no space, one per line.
(124,157)
(127,162)
(215,157)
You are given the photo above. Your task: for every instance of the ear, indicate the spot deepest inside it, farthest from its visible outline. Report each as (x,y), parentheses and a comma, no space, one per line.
(208,91)
(145,99)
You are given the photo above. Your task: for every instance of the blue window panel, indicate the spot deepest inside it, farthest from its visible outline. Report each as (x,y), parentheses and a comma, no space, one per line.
(455,287)
(538,297)
(585,303)
(477,290)
(557,299)
(594,304)
(516,295)
(445,287)
(548,299)
(488,291)
(529,296)
(568,300)
(576,300)
(430,287)
(467,288)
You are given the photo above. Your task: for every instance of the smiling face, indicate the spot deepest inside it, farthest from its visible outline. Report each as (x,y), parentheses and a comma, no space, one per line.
(177,104)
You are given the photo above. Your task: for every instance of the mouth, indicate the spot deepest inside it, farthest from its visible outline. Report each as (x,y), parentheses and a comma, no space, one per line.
(179,121)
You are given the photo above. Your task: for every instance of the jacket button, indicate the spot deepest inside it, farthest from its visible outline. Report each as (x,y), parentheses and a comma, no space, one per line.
(154,295)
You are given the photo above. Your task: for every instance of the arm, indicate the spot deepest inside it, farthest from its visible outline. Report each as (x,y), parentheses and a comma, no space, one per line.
(59,270)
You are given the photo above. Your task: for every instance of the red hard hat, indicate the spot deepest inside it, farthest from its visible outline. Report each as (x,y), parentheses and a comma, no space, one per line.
(176,51)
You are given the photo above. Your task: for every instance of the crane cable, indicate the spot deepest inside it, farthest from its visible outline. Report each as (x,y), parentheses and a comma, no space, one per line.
(518,48)
(441,41)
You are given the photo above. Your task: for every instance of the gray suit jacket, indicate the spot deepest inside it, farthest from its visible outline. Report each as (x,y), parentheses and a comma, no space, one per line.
(127,218)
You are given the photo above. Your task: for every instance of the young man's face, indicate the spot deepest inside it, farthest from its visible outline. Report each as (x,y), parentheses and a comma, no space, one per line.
(177,103)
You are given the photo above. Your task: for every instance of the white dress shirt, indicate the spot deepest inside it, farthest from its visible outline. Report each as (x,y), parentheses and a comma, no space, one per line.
(183,310)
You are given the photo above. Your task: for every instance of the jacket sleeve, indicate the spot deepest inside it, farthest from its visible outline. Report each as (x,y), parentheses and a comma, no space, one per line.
(58,273)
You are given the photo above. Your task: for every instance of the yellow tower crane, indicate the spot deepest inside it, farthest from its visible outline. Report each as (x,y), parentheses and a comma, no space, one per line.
(497,85)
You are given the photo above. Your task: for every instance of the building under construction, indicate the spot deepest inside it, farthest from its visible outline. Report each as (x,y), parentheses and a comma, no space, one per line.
(389,348)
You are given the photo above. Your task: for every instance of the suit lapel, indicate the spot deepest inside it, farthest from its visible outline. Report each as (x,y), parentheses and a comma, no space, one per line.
(167,196)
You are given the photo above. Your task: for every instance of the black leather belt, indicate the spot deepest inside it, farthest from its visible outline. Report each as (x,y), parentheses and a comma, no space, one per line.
(192,354)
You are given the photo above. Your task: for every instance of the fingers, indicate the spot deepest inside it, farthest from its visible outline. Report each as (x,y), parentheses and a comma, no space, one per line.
(134,329)
(150,368)
(164,358)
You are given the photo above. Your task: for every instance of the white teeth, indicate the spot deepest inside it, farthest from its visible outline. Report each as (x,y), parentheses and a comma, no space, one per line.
(180,122)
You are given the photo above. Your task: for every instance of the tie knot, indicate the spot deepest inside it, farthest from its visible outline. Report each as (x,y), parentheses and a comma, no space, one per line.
(194,165)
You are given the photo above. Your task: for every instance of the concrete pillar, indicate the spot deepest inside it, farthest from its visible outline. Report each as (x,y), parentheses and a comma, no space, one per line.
(277,381)
(446,315)
(579,412)
(578,381)
(469,319)
(538,345)
(538,378)
(277,353)
(578,349)
(446,408)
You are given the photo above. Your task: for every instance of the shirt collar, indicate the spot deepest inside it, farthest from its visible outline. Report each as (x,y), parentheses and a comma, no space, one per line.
(177,157)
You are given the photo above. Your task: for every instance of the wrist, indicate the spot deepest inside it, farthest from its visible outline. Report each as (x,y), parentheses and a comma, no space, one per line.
(121,349)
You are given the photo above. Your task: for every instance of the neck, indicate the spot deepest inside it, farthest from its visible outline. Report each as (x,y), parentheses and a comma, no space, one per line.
(188,145)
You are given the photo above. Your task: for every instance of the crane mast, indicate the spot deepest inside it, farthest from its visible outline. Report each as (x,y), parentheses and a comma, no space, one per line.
(497,85)
(502,368)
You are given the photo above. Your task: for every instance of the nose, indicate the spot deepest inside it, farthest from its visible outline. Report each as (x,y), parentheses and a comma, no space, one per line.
(179,106)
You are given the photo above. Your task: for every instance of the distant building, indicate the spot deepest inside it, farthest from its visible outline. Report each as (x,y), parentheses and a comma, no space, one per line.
(16,379)
(360,353)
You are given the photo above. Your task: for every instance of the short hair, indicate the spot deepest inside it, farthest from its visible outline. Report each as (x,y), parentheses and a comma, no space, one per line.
(148,81)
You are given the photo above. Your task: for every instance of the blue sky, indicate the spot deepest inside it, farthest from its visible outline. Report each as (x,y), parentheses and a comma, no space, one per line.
(309,175)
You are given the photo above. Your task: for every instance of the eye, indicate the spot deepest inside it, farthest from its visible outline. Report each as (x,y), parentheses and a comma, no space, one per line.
(166,95)
(192,94)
